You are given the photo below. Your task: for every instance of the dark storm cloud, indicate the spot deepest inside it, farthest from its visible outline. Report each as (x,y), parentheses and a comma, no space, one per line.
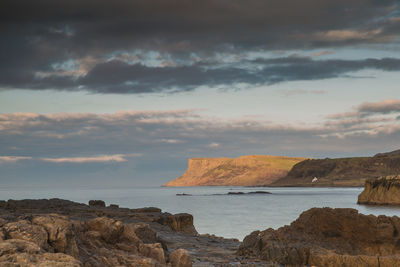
(38,38)
(120,77)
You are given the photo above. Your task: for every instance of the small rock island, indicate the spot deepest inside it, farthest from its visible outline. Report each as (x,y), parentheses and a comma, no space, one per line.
(382,191)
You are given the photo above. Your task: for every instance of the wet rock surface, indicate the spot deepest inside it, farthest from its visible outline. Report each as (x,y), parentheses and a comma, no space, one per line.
(382,191)
(329,237)
(58,232)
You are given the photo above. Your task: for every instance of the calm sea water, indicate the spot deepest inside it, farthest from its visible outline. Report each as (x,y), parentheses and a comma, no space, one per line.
(214,212)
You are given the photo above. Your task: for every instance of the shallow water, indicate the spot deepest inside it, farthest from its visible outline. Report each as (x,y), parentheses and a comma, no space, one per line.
(214,211)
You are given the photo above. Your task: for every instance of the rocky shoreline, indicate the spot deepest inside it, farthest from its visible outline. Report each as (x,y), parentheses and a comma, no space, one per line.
(58,232)
(329,237)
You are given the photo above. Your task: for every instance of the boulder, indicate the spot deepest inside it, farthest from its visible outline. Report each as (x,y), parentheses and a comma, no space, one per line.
(97,203)
(328,237)
(145,233)
(180,258)
(60,233)
(179,222)
(109,229)
(25,230)
(154,251)
(12,246)
(18,252)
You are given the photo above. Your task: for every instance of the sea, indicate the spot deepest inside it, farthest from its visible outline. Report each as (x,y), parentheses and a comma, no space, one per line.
(215,211)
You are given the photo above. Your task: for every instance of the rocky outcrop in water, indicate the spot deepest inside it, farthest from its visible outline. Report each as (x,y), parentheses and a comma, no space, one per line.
(329,237)
(381,191)
(251,170)
(55,232)
(341,171)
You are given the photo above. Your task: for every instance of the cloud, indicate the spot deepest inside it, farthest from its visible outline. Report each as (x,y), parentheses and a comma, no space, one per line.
(120,46)
(214,145)
(120,77)
(322,53)
(170,141)
(372,118)
(12,159)
(368,109)
(95,159)
(91,159)
(112,137)
(385,106)
(345,35)
(80,146)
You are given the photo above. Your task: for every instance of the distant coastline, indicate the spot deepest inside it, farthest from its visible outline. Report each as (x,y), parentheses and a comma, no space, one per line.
(277,171)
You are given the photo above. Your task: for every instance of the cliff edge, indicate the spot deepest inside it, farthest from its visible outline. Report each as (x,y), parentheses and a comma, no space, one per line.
(250,170)
(341,171)
(381,191)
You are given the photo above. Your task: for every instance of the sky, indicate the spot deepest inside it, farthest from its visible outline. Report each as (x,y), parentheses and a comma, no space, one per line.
(122,93)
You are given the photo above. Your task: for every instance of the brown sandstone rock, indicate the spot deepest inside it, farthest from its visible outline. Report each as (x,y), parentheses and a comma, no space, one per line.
(328,237)
(12,246)
(180,258)
(144,232)
(121,237)
(2,222)
(381,191)
(109,229)
(154,251)
(18,252)
(179,222)
(60,233)
(25,230)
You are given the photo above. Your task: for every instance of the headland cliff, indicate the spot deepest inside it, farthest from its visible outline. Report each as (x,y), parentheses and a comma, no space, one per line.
(250,170)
